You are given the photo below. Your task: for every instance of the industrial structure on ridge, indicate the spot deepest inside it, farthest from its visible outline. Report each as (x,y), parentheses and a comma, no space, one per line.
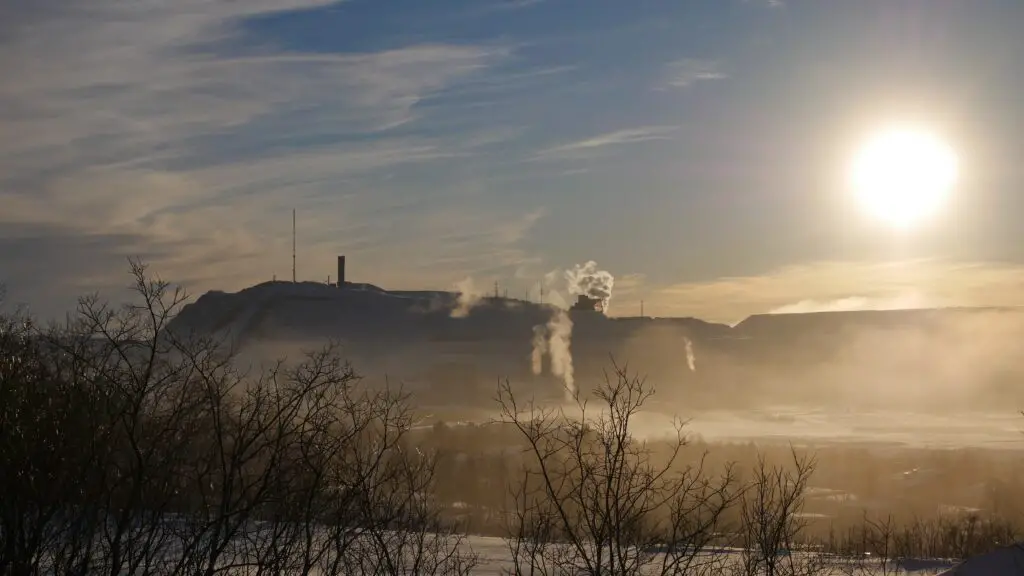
(585,303)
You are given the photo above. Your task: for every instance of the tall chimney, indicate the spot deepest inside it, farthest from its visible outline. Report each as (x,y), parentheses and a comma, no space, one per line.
(341,271)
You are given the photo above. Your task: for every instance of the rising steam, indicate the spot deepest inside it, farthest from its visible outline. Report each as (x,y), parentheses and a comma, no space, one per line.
(589,281)
(691,360)
(554,339)
(540,348)
(468,297)
(560,328)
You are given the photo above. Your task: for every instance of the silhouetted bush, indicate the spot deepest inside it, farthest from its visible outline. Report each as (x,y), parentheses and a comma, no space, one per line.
(127,448)
(592,499)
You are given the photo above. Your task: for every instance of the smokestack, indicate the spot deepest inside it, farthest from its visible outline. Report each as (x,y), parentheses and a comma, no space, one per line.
(341,271)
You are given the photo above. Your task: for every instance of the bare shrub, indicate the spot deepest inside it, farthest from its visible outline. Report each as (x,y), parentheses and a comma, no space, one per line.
(128,448)
(884,546)
(771,509)
(596,500)
(871,547)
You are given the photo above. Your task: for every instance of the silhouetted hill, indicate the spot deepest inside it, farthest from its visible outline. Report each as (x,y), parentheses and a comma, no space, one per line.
(310,310)
(935,356)
(832,321)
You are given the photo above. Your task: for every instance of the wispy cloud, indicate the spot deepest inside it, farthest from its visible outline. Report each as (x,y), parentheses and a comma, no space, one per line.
(187,130)
(149,104)
(124,75)
(837,286)
(206,241)
(688,71)
(908,300)
(162,130)
(516,4)
(616,138)
(767,3)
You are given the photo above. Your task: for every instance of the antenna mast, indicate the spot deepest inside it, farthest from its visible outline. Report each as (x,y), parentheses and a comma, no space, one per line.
(293,245)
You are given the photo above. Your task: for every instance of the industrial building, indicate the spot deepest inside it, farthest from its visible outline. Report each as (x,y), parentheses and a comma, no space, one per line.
(585,303)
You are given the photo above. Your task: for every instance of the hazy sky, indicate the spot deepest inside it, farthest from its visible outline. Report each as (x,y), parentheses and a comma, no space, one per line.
(695,149)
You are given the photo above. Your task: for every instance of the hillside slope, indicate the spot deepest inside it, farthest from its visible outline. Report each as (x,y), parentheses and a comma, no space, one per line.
(921,358)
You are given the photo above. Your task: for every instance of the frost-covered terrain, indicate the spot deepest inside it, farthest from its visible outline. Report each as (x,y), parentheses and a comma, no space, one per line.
(823,426)
(495,559)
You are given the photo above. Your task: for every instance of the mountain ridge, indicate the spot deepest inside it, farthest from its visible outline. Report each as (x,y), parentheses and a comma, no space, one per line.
(225,308)
(925,356)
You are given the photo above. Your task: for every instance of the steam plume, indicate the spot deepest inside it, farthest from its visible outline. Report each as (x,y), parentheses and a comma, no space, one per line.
(540,348)
(560,328)
(588,280)
(468,297)
(691,360)
(554,339)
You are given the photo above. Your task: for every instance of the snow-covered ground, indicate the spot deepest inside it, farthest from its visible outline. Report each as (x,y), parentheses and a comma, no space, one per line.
(1004,431)
(980,430)
(495,559)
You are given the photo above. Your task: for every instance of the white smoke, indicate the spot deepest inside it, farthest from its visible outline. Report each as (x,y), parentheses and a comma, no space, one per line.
(551,289)
(554,339)
(468,297)
(560,328)
(588,280)
(691,359)
(540,348)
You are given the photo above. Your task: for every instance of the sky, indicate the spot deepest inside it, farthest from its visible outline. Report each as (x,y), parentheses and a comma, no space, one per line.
(694,149)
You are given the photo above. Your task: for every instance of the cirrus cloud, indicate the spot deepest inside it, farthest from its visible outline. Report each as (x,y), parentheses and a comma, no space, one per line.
(836,286)
(162,129)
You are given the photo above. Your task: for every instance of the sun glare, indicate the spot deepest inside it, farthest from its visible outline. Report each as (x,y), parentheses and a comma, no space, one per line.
(903,175)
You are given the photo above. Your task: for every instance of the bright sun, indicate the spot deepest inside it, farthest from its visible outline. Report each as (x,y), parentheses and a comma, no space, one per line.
(903,175)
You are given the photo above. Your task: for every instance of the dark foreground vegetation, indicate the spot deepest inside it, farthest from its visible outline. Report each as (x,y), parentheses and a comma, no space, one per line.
(128,449)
